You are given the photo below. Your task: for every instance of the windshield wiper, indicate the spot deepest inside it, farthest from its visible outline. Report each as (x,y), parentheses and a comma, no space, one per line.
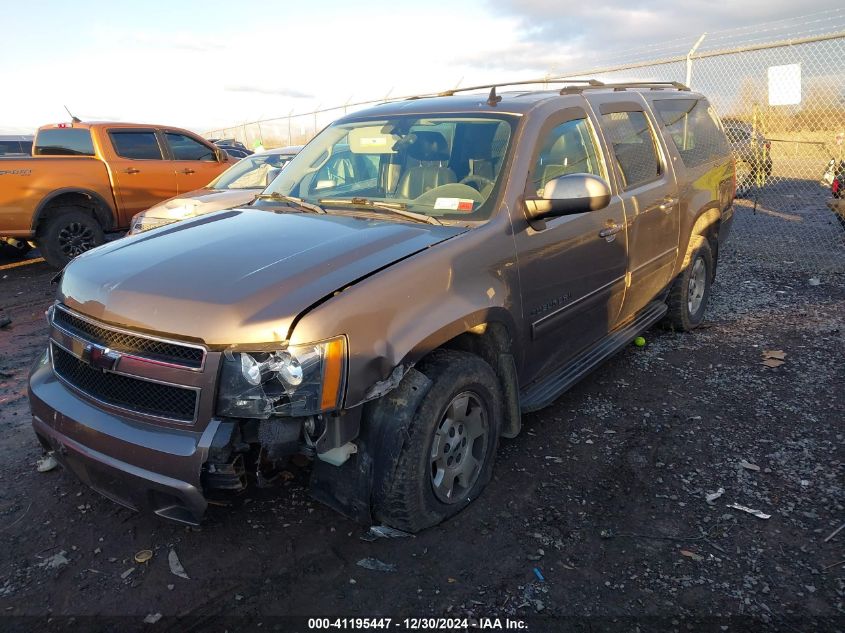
(299,202)
(394,207)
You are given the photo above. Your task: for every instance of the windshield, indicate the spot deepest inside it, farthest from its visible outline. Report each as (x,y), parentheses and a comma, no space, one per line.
(442,166)
(251,172)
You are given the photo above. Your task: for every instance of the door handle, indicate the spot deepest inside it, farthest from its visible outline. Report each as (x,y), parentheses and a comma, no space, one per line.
(186,171)
(131,170)
(668,203)
(609,231)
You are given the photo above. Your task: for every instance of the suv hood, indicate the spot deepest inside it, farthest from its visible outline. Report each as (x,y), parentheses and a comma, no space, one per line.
(235,277)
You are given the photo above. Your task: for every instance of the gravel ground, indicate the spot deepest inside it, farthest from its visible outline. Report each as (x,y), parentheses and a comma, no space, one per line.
(597,517)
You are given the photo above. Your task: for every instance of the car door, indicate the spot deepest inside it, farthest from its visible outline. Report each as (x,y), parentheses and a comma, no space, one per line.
(571,268)
(139,167)
(649,192)
(194,161)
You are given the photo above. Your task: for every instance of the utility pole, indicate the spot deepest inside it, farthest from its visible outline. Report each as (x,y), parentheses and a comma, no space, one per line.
(289,134)
(689,58)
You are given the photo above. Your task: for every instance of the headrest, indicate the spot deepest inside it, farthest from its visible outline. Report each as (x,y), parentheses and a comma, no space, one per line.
(428,146)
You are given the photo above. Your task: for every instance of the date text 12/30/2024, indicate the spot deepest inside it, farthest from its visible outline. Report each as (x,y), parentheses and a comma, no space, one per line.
(417,624)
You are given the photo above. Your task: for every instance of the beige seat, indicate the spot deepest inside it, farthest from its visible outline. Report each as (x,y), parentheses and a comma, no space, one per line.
(427,168)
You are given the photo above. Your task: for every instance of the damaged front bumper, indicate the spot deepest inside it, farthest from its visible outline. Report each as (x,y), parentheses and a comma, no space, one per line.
(134,464)
(167,470)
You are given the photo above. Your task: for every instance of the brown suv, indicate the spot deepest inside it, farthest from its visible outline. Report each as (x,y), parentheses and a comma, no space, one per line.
(420,275)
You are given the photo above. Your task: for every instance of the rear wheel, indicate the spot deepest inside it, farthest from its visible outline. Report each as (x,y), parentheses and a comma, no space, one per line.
(68,233)
(447,458)
(690,292)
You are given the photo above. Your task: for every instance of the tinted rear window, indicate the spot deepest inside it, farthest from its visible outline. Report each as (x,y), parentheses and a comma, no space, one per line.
(64,142)
(136,145)
(634,146)
(695,130)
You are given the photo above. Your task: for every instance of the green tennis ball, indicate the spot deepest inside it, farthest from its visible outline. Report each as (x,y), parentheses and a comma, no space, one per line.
(639,341)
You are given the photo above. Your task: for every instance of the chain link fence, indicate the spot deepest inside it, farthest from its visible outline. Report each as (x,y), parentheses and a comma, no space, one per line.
(784,152)
(782,100)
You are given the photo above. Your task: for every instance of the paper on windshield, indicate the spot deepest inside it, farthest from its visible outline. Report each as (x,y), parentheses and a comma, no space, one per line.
(454,204)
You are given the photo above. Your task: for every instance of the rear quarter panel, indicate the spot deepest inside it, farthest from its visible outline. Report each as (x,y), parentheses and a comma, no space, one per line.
(705,192)
(27,183)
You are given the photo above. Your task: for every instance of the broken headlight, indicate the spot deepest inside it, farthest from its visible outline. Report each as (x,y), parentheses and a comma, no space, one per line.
(141,223)
(297,381)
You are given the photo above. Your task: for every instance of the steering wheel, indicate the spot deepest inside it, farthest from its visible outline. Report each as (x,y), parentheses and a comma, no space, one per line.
(477,182)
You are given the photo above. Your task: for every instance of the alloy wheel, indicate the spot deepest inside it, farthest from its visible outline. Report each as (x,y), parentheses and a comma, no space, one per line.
(697,285)
(459,447)
(76,238)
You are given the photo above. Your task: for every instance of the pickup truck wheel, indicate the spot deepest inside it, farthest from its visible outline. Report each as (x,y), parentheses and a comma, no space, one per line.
(689,294)
(70,232)
(448,456)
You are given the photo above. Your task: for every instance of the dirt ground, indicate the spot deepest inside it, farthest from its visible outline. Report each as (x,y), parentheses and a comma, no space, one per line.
(596,519)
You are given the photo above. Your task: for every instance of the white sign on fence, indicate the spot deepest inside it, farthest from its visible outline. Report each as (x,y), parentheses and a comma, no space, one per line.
(785,85)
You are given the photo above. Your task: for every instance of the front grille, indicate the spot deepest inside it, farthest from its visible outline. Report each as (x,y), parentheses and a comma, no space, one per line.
(145,397)
(129,343)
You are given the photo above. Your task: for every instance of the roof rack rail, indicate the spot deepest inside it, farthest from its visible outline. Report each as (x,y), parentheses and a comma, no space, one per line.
(502,84)
(624,85)
(575,86)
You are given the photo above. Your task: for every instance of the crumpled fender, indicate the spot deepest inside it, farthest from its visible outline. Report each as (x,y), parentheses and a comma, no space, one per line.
(360,484)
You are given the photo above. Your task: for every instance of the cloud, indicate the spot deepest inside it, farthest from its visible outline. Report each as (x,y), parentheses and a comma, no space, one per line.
(583,35)
(263,90)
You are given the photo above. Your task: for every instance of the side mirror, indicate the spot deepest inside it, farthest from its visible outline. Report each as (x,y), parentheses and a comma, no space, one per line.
(568,195)
(221,154)
(271,174)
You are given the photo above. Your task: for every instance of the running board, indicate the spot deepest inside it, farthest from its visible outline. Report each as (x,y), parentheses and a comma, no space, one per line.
(542,393)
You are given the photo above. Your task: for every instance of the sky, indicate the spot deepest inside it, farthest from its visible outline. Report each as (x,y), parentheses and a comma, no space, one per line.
(204,65)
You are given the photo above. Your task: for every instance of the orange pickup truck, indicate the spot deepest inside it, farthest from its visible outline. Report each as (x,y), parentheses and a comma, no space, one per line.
(85,179)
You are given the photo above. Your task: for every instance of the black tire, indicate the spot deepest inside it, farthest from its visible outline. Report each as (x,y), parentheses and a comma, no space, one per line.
(411,502)
(69,232)
(686,307)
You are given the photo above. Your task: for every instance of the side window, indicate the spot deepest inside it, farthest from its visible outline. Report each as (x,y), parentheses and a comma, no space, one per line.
(694,129)
(136,145)
(568,148)
(64,142)
(186,148)
(634,146)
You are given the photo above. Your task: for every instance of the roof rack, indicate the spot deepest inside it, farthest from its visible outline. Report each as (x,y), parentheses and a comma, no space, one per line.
(451,92)
(575,86)
(624,85)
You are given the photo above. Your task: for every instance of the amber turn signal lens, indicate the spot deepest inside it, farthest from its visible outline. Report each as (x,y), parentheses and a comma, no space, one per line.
(333,373)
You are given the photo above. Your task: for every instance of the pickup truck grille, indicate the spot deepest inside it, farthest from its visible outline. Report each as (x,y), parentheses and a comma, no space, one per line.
(142,346)
(141,396)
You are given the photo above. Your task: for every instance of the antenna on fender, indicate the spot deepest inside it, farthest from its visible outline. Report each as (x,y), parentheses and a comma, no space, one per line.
(72,118)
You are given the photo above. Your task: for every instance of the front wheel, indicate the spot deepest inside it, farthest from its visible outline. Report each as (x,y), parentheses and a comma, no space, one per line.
(690,292)
(447,458)
(67,234)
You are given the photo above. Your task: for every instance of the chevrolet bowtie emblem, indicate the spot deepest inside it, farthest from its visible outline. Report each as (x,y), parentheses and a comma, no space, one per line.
(101,358)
